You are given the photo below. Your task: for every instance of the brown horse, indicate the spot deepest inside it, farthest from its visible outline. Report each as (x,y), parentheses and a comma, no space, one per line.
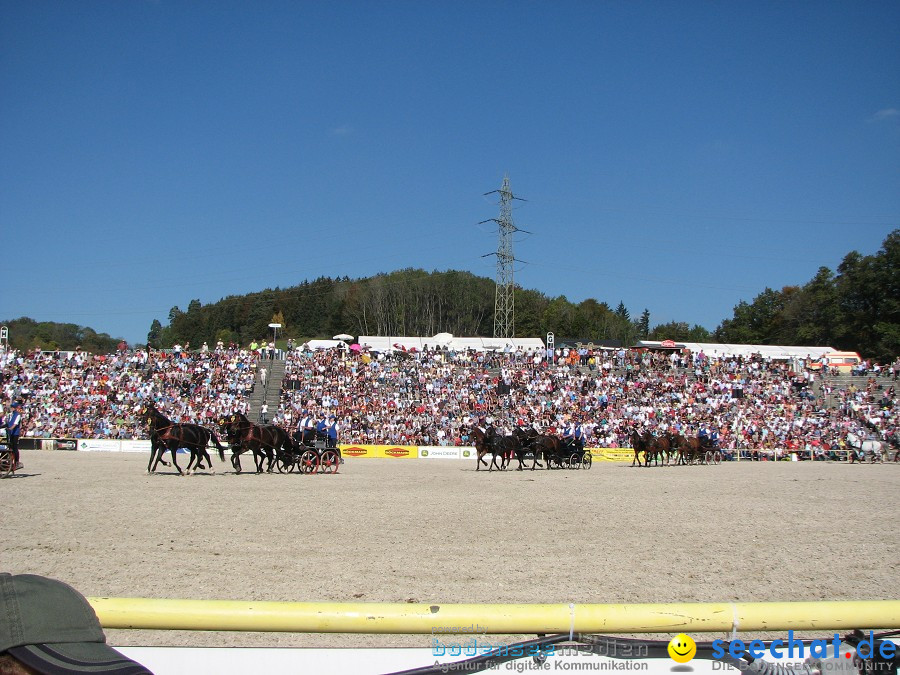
(168,435)
(486,443)
(263,440)
(660,448)
(641,443)
(690,450)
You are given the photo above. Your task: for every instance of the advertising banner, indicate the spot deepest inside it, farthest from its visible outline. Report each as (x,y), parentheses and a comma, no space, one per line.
(613,454)
(393,451)
(98,445)
(439,452)
(135,445)
(356,450)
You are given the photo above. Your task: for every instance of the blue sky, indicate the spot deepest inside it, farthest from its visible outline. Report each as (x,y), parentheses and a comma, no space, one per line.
(677,156)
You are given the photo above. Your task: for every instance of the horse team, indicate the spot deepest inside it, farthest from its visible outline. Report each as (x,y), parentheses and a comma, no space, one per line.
(670,448)
(525,443)
(268,443)
(273,446)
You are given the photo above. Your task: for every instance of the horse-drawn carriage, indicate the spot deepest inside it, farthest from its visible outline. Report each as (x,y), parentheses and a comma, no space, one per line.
(525,444)
(572,456)
(669,447)
(315,457)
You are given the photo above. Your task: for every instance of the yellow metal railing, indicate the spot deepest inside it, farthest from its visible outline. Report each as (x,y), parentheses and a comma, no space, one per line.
(402,618)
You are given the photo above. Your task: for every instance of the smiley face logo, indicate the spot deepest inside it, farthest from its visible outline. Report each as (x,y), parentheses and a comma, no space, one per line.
(682,648)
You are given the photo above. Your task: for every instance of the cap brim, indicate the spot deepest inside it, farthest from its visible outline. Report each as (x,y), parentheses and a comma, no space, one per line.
(65,658)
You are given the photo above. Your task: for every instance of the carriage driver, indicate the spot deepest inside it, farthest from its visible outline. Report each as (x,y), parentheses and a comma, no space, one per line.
(703,435)
(574,434)
(321,428)
(306,429)
(579,436)
(331,433)
(714,438)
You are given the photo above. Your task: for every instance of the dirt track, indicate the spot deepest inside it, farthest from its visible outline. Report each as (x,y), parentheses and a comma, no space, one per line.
(437,531)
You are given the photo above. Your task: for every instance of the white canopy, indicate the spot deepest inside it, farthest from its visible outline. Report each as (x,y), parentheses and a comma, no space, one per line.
(326,344)
(382,343)
(777,352)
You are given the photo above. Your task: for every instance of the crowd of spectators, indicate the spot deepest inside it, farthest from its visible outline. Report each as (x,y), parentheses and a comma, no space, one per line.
(79,395)
(435,396)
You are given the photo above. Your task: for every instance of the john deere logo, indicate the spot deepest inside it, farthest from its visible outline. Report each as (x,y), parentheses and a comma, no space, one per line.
(467,453)
(424,453)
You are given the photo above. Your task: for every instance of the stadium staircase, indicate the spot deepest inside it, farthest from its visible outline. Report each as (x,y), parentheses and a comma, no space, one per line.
(838,382)
(271,393)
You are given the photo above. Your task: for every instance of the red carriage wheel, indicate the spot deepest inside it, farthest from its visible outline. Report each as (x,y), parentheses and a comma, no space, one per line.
(709,457)
(309,461)
(717,457)
(330,462)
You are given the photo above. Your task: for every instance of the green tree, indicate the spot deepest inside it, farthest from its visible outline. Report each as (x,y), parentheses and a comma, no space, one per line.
(154,334)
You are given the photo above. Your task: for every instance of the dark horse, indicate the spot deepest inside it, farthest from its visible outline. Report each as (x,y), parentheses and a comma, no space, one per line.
(641,443)
(263,440)
(486,443)
(168,435)
(531,441)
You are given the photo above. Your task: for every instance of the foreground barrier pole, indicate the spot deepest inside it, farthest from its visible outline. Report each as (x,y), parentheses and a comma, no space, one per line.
(402,618)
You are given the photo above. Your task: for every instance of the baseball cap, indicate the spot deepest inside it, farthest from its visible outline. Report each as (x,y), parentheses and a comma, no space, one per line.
(52,628)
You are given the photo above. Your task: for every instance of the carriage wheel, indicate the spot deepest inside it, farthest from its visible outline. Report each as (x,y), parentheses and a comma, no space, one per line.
(309,462)
(708,459)
(330,462)
(574,461)
(717,457)
(286,463)
(6,464)
(587,461)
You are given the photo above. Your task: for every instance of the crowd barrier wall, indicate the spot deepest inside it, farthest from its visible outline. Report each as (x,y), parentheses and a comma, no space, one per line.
(349,450)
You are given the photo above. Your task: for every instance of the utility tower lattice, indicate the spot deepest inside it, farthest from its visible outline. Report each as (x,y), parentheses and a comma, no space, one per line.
(504,303)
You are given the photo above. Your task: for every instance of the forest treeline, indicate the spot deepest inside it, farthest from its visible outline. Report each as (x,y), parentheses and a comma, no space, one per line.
(856,307)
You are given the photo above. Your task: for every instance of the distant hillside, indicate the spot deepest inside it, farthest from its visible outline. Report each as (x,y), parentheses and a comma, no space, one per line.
(405,302)
(26,334)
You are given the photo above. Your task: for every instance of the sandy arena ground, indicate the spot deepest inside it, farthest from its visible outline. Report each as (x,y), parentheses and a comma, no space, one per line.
(436,531)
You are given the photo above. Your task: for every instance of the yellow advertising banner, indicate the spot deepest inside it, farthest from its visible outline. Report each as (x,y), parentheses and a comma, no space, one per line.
(613,454)
(356,450)
(389,451)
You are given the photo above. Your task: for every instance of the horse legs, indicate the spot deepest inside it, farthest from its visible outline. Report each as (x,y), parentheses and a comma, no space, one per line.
(155,456)
(174,450)
(205,455)
(191,460)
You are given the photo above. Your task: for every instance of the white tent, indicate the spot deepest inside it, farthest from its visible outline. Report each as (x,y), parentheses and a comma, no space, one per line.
(776,352)
(387,343)
(326,344)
